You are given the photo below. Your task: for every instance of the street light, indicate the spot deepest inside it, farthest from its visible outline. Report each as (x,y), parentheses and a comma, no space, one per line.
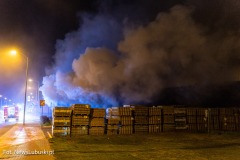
(14,52)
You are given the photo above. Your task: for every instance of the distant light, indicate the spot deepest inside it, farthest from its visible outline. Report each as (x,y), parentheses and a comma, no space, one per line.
(30,80)
(13,52)
(0,96)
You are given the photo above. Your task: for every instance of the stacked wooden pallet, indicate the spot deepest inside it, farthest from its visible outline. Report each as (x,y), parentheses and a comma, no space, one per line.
(140,119)
(228,119)
(155,119)
(202,119)
(97,123)
(126,120)
(61,121)
(237,115)
(113,120)
(191,116)
(168,118)
(214,122)
(180,118)
(80,119)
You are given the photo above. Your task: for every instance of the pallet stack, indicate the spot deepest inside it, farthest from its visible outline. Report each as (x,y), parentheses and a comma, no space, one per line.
(180,119)
(202,119)
(228,119)
(140,119)
(113,120)
(168,119)
(80,119)
(155,119)
(214,119)
(191,115)
(61,121)
(126,120)
(237,115)
(97,123)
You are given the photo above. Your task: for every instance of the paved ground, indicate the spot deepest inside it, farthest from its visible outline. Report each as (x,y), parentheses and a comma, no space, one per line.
(26,142)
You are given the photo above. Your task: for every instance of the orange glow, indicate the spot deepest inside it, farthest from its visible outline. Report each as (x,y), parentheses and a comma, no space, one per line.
(10,64)
(13,52)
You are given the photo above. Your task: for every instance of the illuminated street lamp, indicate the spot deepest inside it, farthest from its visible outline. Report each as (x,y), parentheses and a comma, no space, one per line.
(14,52)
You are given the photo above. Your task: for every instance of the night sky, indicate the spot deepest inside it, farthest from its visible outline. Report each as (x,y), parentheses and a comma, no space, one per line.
(53,34)
(35,25)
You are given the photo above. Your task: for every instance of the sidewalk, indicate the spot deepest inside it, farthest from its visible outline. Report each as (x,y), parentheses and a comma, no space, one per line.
(25,142)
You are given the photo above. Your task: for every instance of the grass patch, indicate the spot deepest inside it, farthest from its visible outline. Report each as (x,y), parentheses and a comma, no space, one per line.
(169,146)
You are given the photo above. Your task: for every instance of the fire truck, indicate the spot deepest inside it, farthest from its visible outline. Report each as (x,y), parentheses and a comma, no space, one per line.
(11,112)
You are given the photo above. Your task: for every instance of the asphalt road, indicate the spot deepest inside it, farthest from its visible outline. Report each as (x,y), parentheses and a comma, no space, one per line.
(4,127)
(29,141)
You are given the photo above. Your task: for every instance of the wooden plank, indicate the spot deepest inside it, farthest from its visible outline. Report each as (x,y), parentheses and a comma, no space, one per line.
(97,122)
(96,131)
(126,120)
(155,111)
(98,112)
(155,128)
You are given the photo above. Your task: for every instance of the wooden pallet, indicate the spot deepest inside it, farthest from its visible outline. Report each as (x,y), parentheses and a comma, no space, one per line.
(126,130)
(79,130)
(81,109)
(97,122)
(155,119)
(155,111)
(126,120)
(96,131)
(80,120)
(141,120)
(154,128)
(98,112)
(125,111)
(62,112)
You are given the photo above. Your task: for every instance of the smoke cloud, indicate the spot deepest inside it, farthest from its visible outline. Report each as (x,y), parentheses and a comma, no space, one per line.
(112,64)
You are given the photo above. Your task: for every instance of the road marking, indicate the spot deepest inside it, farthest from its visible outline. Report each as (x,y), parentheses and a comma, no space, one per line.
(49,134)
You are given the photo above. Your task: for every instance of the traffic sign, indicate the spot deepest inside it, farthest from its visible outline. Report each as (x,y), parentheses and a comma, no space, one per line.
(42,102)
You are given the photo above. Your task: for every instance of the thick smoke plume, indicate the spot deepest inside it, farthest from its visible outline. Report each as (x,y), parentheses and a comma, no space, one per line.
(175,49)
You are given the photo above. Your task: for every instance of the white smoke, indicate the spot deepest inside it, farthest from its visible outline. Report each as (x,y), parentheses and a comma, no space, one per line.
(173,50)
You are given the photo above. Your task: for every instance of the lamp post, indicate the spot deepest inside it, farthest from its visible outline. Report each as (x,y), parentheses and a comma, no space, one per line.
(14,52)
